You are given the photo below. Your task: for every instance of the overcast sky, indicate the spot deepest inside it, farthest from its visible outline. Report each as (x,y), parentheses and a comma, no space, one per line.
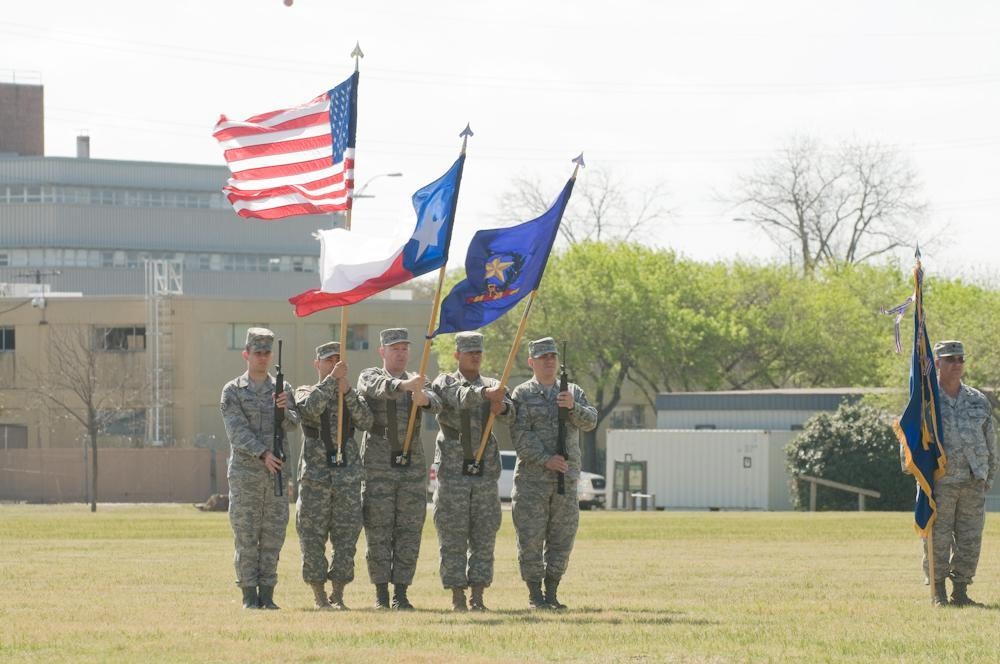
(687,94)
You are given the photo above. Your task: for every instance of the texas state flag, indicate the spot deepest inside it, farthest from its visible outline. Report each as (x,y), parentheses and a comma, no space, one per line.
(355,265)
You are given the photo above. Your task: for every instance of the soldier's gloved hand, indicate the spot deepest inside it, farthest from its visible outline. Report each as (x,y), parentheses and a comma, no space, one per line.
(281,400)
(420,398)
(494,394)
(339,370)
(557,463)
(271,462)
(565,400)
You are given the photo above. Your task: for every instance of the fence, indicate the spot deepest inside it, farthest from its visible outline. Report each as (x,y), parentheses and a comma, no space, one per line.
(123,475)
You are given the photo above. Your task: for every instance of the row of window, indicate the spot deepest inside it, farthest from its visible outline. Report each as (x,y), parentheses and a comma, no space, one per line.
(10,194)
(134,260)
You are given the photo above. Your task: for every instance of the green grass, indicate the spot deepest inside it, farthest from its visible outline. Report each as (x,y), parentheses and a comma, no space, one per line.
(155,583)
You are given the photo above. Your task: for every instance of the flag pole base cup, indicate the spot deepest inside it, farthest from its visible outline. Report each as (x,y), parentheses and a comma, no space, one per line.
(332,462)
(401,460)
(472,468)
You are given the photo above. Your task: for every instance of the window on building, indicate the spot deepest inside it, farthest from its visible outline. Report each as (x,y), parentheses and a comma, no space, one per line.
(357,336)
(704,427)
(238,334)
(628,417)
(6,339)
(120,339)
(4,259)
(797,427)
(129,422)
(107,259)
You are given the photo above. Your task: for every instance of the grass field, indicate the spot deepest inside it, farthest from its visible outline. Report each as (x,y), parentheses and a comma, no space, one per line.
(155,583)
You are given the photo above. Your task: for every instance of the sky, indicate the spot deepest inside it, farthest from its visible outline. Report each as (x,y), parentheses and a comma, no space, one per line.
(683,95)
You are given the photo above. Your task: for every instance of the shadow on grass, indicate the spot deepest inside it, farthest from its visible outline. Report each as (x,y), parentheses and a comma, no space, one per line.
(588,616)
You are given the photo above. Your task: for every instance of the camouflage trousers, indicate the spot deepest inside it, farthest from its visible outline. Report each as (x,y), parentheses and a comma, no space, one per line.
(545,526)
(467,518)
(394,512)
(958,530)
(259,519)
(328,512)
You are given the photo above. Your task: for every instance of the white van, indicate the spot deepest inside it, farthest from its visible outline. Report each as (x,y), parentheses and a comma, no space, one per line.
(590,489)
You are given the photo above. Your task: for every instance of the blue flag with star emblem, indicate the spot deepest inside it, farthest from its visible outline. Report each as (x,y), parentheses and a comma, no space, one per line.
(503,265)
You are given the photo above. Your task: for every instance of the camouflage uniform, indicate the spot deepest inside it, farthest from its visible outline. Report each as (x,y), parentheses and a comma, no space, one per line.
(258,517)
(395,498)
(329,504)
(545,522)
(466,508)
(969,441)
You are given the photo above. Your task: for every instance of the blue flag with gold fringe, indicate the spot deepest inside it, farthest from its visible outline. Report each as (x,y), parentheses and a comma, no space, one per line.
(919,427)
(503,265)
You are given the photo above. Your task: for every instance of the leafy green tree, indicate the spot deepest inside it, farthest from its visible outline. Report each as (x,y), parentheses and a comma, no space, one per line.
(854,445)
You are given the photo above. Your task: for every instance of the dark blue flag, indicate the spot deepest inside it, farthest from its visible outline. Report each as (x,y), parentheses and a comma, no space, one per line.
(503,265)
(919,427)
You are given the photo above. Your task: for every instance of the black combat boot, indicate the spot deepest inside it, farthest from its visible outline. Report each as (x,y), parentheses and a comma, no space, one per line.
(551,588)
(337,596)
(458,599)
(960,596)
(381,595)
(476,601)
(319,595)
(267,598)
(536,599)
(399,601)
(940,594)
(250,600)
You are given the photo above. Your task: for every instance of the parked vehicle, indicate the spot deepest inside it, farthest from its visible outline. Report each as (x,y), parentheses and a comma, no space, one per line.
(590,489)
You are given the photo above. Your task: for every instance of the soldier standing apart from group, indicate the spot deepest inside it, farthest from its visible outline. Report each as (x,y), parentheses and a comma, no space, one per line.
(467,506)
(258,517)
(395,494)
(970,445)
(545,522)
(329,504)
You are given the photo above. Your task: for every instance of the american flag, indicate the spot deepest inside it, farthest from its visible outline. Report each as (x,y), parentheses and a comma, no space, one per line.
(293,161)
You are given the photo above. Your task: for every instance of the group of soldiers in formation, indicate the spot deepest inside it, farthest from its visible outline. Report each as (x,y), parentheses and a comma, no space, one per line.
(368,482)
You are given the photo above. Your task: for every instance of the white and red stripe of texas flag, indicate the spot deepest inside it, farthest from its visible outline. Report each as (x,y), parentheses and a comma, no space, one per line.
(292,161)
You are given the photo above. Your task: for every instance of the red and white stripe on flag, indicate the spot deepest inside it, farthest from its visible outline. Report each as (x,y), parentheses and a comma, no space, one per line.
(284,163)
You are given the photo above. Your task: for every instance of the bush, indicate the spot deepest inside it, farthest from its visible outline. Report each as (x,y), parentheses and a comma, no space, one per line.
(856,446)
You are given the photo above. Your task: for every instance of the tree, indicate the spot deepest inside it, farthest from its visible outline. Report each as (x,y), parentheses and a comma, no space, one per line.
(841,206)
(854,445)
(89,385)
(601,209)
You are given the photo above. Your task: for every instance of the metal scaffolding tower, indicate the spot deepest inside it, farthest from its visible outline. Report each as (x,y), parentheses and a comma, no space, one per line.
(163,279)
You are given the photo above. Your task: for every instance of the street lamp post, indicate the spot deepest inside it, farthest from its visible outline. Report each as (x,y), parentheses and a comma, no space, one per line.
(360,191)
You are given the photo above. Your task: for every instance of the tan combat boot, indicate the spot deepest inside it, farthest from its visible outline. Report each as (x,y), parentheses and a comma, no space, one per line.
(337,595)
(319,596)
(458,599)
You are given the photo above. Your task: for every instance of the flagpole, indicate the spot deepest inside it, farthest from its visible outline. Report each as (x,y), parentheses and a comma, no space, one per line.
(922,346)
(425,356)
(357,54)
(488,427)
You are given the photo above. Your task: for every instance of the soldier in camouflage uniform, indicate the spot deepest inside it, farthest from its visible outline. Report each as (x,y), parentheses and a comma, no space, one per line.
(970,445)
(466,506)
(258,517)
(395,493)
(545,522)
(329,505)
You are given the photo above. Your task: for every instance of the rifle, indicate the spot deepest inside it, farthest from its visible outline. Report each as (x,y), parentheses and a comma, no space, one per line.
(563,416)
(279,431)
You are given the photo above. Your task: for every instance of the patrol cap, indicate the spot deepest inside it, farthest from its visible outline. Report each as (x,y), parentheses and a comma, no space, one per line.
(394,335)
(542,346)
(259,339)
(469,342)
(324,351)
(948,348)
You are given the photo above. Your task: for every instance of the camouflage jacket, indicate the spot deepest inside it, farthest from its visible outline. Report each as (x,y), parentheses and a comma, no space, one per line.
(459,394)
(536,428)
(380,388)
(968,436)
(248,414)
(317,406)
